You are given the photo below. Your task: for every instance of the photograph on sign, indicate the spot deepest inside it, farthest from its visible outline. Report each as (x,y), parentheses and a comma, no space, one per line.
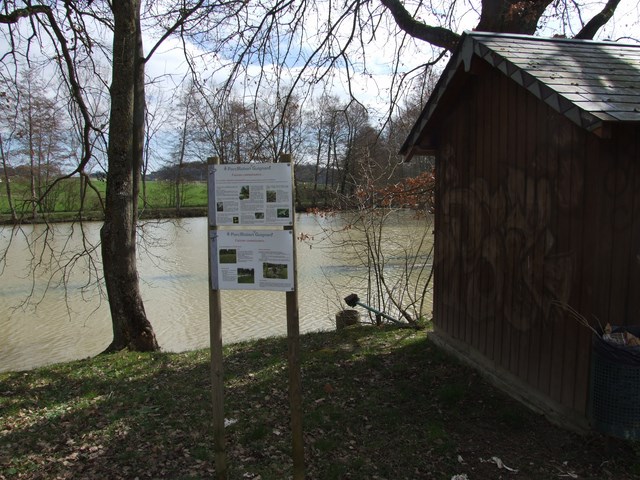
(250,194)
(252,260)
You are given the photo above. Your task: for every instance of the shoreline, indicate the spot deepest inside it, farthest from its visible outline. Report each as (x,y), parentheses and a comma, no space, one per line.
(97,216)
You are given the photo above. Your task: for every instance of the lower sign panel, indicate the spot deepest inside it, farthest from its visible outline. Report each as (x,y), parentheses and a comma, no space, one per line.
(252,260)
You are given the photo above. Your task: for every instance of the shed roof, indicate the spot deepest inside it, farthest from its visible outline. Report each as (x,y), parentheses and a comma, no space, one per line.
(591,83)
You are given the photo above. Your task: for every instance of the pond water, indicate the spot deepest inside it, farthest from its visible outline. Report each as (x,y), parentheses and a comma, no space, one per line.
(71,320)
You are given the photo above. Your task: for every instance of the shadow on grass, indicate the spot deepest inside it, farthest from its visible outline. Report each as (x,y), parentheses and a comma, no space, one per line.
(378,403)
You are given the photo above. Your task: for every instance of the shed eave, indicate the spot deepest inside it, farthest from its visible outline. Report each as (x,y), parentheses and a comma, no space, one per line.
(418,150)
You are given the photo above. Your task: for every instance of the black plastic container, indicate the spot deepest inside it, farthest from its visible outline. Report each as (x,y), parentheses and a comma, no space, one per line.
(615,387)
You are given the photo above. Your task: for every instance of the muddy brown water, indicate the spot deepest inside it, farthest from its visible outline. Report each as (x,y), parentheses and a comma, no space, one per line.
(72,322)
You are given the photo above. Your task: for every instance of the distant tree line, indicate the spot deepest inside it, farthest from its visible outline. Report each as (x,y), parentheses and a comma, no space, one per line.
(334,143)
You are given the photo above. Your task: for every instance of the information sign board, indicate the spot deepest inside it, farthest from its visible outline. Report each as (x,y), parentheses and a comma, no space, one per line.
(249,194)
(254,249)
(252,259)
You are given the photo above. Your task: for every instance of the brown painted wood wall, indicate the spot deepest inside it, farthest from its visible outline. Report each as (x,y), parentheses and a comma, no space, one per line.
(531,211)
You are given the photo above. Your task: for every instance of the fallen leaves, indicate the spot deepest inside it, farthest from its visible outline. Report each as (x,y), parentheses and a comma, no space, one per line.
(378,404)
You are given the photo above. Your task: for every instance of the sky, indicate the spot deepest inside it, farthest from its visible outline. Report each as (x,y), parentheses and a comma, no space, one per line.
(369,84)
(371,80)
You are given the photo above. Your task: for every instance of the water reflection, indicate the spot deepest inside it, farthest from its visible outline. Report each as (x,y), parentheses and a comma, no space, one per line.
(73,322)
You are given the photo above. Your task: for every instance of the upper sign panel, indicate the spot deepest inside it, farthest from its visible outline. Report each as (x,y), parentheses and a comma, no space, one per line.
(250,194)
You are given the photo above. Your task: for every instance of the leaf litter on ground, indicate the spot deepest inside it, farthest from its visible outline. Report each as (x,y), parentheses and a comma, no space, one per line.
(379,403)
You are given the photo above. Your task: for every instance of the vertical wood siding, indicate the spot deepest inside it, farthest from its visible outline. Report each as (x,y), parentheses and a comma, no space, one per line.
(531,211)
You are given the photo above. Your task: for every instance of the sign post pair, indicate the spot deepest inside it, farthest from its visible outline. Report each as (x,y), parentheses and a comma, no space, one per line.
(252,247)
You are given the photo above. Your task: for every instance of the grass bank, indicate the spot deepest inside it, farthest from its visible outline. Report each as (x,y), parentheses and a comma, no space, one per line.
(63,202)
(158,201)
(379,403)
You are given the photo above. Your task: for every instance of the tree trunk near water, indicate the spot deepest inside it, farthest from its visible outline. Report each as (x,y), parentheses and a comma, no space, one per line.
(131,328)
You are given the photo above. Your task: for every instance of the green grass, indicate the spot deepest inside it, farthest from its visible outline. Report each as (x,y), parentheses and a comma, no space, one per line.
(157,201)
(162,194)
(65,197)
(378,403)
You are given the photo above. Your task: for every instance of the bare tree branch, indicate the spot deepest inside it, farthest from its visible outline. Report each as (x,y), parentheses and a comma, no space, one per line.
(16,15)
(598,21)
(437,36)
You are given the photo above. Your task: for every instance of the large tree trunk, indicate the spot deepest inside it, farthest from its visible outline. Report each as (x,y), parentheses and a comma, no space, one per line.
(511,16)
(131,328)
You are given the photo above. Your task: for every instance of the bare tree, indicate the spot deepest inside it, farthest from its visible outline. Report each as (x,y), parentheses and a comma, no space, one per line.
(41,139)
(330,139)
(64,29)
(226,124)
(277,126)
(186,111)
(4,156)
(131,328)
(8,128)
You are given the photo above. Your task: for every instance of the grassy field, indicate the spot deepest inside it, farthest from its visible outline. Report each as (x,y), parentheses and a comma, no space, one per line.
(158,197)
(65,197)
(379,403)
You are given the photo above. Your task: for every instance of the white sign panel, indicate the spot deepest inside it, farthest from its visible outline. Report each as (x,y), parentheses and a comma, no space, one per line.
(249,194)
(252,259)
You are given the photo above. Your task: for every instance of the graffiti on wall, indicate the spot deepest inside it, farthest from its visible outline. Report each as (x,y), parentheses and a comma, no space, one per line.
(502,259)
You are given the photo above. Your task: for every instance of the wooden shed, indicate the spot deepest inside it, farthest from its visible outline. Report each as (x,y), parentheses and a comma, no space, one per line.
(537,147)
